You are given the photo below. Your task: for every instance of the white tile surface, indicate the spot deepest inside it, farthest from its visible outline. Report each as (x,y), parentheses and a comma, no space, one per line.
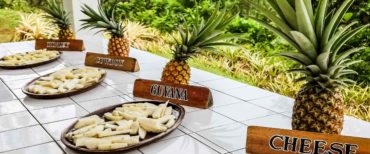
(124,88)
(243,111)
(222,84)
(150,74)
(199,75)
(273,121)
(241,151)
(175,133)
(96,104)
(200,120)
(17,84)
(220,99)
(96,93)
(230,137)
(9,75)
(9,107)
(179,145)
(47,148)
(33,104)
(16,120)
(275,103)
(23,137)
(118,77)
(70,151)
(19,93)
(356,127)
(208,143)
(50,68)
(248,93)
(56,128)
(58,113)
(73,58)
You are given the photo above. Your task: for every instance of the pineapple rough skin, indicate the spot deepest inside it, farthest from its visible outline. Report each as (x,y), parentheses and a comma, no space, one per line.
(66,33)
(318,112)
(177,72)
(119,46)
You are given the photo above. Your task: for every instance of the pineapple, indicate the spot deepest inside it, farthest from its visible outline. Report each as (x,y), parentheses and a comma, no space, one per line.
(318,37)
(105,20)
(203,35)
(59,16)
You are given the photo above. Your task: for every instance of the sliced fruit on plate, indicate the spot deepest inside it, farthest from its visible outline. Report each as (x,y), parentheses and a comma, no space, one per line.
(66,80)
(29,58)
(125,125)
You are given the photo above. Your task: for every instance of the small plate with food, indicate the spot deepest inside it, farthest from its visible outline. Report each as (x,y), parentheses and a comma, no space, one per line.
(29,59)
(123,127)
(64,82)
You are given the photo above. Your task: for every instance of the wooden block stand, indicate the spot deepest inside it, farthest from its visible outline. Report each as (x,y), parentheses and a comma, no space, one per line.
(193,96)
(262,140)
(112,62)
(60,45)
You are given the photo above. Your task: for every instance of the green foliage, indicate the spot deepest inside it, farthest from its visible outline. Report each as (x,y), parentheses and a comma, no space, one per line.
(7,29)
(251,31)
(21,5)
(166,15)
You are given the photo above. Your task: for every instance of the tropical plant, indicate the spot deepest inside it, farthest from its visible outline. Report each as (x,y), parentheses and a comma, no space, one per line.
(34,26)
(318,37)
(104,20)
(203,35)
(57,14)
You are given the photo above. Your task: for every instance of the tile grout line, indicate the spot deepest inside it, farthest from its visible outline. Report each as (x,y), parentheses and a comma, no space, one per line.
(33,116)
(29,146)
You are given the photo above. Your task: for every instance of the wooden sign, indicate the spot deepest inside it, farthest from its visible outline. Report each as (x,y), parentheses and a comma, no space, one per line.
(60,45)
(194,96)
(111,62)
(262,140)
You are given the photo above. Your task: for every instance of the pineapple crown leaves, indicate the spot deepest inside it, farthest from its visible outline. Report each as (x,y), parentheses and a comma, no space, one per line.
(103,19)
(56,13)
(204,35)
(318,37)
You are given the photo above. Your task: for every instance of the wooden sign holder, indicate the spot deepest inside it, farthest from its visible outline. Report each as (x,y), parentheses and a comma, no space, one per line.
(60,45)
(111,62)
(262,140)
(193,96)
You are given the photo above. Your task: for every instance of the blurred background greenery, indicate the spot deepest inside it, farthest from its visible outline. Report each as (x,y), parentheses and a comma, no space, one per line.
(150,22)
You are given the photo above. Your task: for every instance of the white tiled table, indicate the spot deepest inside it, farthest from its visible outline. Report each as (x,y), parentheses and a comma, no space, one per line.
(34,126)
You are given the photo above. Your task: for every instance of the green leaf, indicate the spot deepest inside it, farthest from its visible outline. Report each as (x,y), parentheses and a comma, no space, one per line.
(330,44)
(314,69)
(304,20)
(289,13)
(334,22)
(271,15)
(303,71)
(309,8)
(345,54)
(323,60)
(278,32)
(305,44)
(298,57)
(344,38)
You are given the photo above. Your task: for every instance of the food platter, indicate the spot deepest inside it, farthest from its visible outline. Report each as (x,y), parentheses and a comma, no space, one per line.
(30,65)
(177,111)
(60,95)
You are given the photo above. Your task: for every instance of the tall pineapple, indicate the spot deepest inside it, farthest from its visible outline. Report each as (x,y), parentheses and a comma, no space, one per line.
(203,35)
(105,20)
(59,16)
(318,37)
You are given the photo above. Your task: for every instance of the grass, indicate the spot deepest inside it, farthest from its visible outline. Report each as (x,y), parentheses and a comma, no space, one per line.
(10,20)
